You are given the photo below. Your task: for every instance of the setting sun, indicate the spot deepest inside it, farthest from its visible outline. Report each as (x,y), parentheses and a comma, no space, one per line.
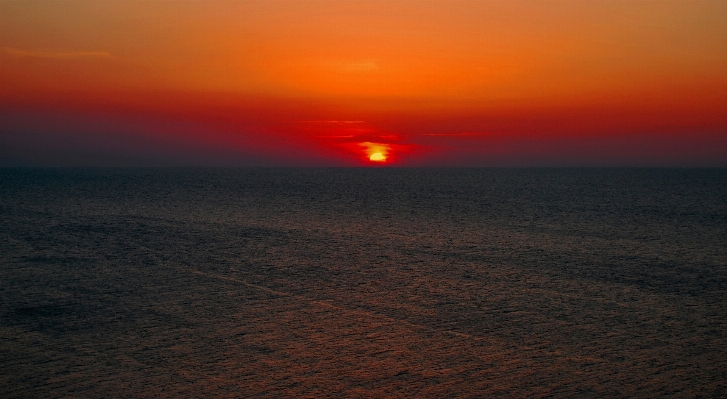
(375,152)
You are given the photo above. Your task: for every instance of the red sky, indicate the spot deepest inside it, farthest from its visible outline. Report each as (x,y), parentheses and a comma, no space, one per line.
(331,83)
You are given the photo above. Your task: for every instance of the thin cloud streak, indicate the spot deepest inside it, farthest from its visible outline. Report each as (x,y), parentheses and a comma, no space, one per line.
(456,134)
(56,54)
(325,121)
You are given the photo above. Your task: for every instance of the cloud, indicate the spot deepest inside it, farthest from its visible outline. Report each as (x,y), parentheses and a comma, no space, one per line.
(361,66)
(56,54)
(456,134)
(329,121)
(350,66)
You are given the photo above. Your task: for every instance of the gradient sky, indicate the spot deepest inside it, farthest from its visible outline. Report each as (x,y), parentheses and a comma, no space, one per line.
(330,83)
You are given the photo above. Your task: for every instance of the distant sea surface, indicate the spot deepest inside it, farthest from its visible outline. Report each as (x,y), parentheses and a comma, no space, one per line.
(421,283)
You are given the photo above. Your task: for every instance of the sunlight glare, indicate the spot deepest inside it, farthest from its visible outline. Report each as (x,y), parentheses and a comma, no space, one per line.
(377,157)
(375,152)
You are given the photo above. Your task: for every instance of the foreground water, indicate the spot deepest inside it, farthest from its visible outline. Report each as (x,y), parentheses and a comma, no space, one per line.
(363,283)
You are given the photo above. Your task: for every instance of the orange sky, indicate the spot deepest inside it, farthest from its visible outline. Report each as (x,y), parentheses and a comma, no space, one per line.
(471,83)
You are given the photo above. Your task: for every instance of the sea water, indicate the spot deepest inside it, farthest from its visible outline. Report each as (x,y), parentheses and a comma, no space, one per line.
(363,283)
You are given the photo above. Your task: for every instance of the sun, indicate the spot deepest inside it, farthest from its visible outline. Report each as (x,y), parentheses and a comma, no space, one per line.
(375,152)
(377,157)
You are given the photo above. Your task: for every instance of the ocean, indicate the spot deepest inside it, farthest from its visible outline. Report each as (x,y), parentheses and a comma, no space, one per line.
(363,282)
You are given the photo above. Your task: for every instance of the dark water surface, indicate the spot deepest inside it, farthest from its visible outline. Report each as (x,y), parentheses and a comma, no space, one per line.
(363,283)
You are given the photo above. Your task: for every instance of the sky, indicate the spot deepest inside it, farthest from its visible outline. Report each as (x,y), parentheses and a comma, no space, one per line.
(363,83)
